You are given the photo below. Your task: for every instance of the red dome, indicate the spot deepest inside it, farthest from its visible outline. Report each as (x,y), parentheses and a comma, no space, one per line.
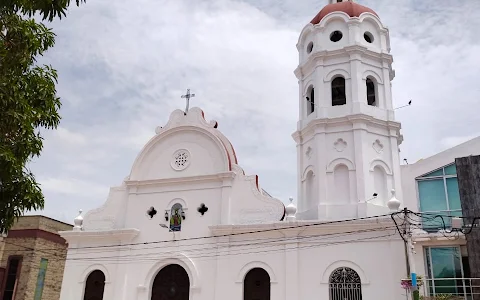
(350,8)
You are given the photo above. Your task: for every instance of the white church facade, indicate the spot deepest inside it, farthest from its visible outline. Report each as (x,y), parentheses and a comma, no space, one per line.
(188,223)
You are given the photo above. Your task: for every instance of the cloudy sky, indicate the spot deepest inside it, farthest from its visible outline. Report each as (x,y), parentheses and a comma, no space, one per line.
(123,66)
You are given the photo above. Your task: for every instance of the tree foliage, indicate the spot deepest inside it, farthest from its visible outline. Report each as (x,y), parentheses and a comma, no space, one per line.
(28,100)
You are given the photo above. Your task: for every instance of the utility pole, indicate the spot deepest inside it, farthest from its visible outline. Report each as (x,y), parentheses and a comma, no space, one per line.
(410,252)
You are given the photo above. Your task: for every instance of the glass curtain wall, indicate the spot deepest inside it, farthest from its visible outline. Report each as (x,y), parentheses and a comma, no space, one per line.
(438,195)
(445,271)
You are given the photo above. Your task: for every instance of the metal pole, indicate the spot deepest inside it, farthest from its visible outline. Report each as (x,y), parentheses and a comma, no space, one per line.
(411,261)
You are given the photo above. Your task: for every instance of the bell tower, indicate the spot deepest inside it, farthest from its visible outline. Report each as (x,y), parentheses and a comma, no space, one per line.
(347,137)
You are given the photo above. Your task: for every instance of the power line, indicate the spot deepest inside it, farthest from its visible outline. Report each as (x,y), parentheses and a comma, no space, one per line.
(235,234)
(262,244)
(226,255)
(215,248)
(228,235)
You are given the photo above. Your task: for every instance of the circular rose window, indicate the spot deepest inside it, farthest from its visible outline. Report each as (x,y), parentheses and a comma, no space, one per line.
(181,159)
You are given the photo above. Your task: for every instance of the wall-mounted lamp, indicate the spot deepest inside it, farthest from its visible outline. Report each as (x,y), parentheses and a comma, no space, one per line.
(182,214)
(373,197)
(166,215)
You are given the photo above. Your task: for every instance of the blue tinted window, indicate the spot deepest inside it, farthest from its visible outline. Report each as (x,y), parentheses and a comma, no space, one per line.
(434,173)
(451,170)
(439,196)
(444,265)
(432,195)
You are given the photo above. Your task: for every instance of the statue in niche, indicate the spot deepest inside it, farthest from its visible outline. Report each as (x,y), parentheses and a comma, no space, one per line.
(176,215)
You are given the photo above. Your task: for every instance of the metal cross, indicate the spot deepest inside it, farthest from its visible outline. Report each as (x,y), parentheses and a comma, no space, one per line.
(188,96)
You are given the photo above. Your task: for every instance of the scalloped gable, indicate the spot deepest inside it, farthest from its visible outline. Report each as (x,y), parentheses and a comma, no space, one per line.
(251,204)
(198,116)
(212,176)
(211,151)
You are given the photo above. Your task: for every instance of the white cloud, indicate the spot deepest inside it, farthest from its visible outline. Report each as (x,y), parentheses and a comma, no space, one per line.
(451,141)
(70,138)
(123,67)
(73,187)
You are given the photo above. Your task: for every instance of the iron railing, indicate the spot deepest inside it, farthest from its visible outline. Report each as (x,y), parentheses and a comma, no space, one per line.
(461,288)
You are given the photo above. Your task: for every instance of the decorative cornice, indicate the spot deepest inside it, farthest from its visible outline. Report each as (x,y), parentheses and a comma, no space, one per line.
(300,226)
(181,180)
(438,236)
(319,125)
(127,234)
(317,58)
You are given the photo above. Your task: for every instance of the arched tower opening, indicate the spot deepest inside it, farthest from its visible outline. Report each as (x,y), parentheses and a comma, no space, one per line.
(339,96)
(371,92)
(310,98)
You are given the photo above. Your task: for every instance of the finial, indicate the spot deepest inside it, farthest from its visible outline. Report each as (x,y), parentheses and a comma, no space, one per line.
(291,210)
(78,221)
(393,204)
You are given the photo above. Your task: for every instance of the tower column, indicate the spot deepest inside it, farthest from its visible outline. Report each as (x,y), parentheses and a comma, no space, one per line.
(387,88)
(301,201)
(397,183)
(361,168)
(321,165)
(353,30)
(301,104)
(319,90)
(356,79)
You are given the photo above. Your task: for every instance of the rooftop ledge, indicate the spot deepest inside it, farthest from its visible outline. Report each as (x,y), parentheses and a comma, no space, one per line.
(423,236)
(126,234)
(301,225)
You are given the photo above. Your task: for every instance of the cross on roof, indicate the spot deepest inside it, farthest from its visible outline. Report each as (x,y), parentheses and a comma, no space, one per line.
(188,96)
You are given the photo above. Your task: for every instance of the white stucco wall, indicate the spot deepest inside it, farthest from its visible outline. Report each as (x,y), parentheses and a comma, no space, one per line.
(299,261)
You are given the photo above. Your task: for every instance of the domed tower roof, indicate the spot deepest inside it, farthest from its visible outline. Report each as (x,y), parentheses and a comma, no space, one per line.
(349,7)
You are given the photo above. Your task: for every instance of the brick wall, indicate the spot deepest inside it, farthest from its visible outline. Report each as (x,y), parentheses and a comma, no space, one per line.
(40,222)
(2,243)
(34,238)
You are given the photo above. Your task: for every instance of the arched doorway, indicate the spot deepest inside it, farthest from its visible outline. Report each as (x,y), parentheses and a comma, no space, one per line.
(171,283)
(94,286)
(256,285)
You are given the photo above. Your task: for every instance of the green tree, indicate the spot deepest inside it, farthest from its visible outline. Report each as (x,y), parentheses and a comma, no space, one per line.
(28,100)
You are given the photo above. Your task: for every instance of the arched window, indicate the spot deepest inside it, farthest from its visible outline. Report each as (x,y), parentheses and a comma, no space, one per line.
(338,91)
(345,284)
(94,286)
(310,100)
(371,93)
(256,285)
